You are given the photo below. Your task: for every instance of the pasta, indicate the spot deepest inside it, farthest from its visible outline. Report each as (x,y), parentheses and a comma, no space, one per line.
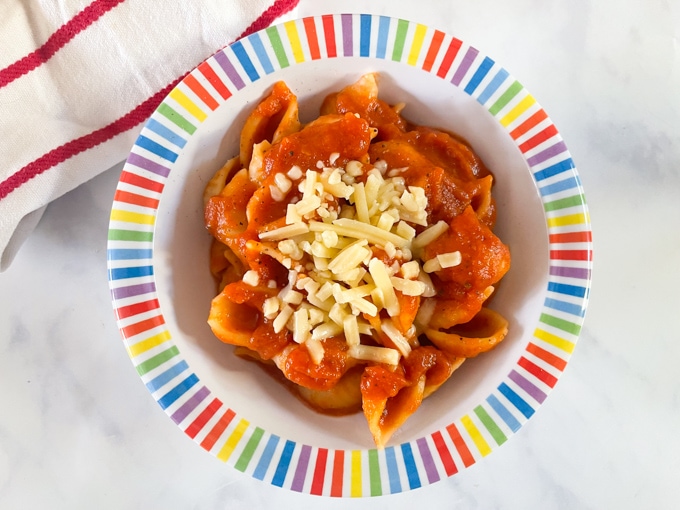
(354,254)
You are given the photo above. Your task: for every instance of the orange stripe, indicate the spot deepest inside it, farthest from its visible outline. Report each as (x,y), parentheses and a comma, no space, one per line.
(436,43)
(572,237)
(338,473)
(310,31)
(525,126)
(546,356)
(460,445)
(145,325)
(200,91)
(215,433)
(134,198)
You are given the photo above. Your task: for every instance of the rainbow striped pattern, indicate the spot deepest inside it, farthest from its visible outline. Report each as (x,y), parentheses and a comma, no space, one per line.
(232,438)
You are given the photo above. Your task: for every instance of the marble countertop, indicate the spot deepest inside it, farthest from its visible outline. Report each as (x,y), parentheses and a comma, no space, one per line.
(79,430)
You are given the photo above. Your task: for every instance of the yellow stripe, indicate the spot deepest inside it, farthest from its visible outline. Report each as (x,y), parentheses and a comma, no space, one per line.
(233,440)
(132,217)
(569,219)
(188,104)
(355,488)
(555,340)
(418,38)
(291,30)
(518,110)
(149,343)
(476,436)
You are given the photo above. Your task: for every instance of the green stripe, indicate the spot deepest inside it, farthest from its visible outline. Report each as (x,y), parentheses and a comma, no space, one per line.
(157,360)
(247,454)
(558,323)
(280,53)
(563,203)
(374,473)
(507,96)
(175,117)
(490,425)
(400,37)
(130,235)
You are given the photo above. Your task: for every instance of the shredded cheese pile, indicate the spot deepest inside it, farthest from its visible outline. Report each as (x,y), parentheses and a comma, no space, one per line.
(327,245)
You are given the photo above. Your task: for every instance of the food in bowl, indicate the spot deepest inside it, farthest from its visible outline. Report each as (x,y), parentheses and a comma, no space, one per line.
(354,254)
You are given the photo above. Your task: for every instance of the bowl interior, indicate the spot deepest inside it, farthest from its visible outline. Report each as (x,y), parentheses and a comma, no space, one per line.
(185,286)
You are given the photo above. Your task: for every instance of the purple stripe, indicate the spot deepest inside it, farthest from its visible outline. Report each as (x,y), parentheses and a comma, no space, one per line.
(147,164)
(556,149)
(464,65)
(134,290)
(527,386)
(428,461)
(301,470)
(570,272)
(347,40)
(229,69)
(190,405)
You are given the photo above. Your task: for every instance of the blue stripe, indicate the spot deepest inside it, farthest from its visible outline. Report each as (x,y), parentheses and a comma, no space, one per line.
(563,306)
(479,75)
(555,169)
(570,290)
(120,273)
(503,412)
(516,400)
(383,31)
(410,464)
(284,463)
(392,470)
(156,148)
(556,187)
(266,457)
(261,53)
(166,132)
(492,87)
(128,254)
(162,379)
(365,35)
(243,57)
(171,396)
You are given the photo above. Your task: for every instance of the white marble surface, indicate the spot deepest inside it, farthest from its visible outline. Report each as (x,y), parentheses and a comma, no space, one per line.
(79,430)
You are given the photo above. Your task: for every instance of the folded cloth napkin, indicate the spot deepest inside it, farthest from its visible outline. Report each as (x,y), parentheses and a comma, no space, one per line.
(78,78)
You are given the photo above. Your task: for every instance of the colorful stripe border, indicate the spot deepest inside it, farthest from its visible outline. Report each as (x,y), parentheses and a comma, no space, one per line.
(208,420)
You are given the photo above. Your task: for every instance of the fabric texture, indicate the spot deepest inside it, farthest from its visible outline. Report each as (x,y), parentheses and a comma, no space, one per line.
(78,79)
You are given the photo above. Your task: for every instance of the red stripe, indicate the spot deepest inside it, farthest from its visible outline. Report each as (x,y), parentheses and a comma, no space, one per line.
(134,198)
(338,473)
(74,147)
(141,326)
(195,426)
(572,237)
(460,445)
(57,40)
(436,43)
(215,433)
(571,255)
(537,372)
(525,126)
(128,121)
(329,35)
(276,10)
(130,310)
(319,472)
(444,454)
(451,52)
(200,91)
(546,356)
(214,80)
(312,38)
(141,182)
(539,138)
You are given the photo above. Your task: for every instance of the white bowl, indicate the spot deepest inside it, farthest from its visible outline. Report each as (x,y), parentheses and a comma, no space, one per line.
(161,286)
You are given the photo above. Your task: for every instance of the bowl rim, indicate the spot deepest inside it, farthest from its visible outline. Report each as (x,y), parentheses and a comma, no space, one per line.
(293,465)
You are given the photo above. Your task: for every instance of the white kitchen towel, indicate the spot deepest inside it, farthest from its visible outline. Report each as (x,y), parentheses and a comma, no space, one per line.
(78,78)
